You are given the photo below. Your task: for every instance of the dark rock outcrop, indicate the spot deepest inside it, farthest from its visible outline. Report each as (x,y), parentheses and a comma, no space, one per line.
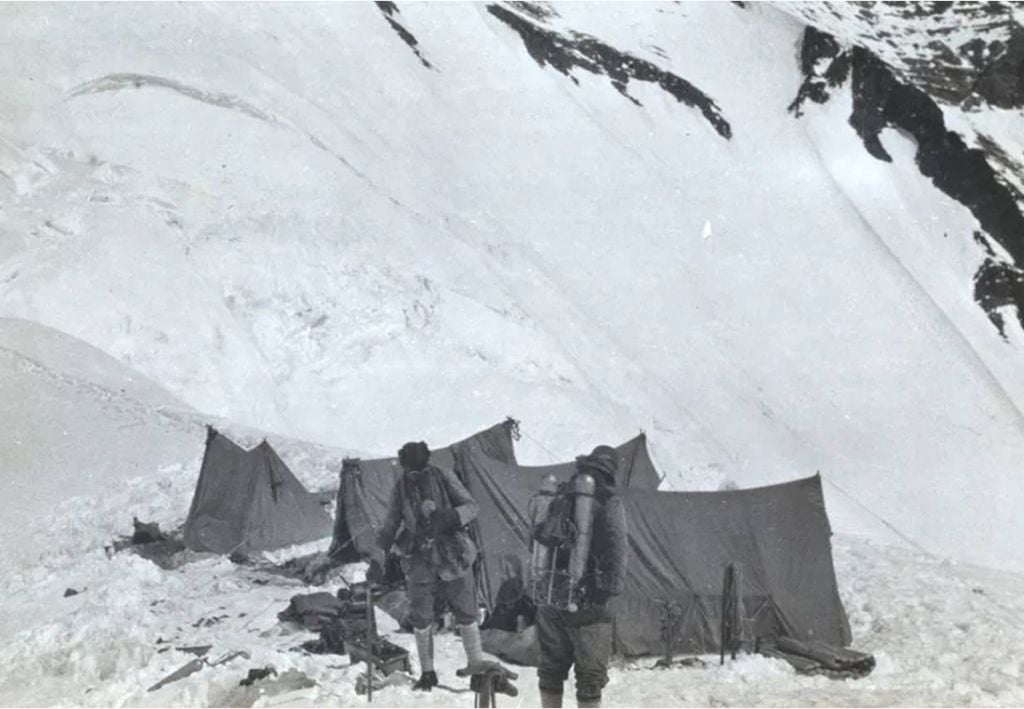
(881,100)
(566,51)
(390,11)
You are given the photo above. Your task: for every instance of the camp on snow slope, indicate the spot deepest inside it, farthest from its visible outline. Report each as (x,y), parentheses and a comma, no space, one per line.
(603,213)
(941,632)
(606,214)
(779,536)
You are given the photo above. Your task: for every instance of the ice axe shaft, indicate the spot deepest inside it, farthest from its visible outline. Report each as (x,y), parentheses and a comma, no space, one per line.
(369,642)
(190,668)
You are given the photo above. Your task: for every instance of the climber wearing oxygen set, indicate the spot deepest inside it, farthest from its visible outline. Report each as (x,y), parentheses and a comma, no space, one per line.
(578,563)
(426,520)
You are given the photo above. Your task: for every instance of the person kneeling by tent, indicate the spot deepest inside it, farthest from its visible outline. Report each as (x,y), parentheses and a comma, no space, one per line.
(426,521)
(580,632)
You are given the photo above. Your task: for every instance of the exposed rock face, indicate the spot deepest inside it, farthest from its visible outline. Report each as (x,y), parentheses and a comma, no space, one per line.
(566,51)
(957,53)
(911,63)
(390,11)
(820,50)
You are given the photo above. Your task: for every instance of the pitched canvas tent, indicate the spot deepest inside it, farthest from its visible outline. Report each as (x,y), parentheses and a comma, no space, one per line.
(680,544)
(248,501)
(362,499)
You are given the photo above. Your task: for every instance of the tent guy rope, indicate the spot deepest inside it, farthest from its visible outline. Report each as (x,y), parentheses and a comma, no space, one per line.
(877,516)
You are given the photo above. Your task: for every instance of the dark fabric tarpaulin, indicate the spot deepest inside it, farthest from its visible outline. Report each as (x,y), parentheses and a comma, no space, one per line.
(636,469)
(679,546)
(362,500)
(681,542)
(247,501)
(512,488)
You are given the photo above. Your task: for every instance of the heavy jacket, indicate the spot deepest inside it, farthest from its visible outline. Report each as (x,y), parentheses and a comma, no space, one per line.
(448,555)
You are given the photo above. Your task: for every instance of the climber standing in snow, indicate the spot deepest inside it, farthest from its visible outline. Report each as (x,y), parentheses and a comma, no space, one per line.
(426,522)
(583,636)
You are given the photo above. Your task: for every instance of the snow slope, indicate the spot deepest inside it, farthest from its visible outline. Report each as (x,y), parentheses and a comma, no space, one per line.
(88,439)
(299,225)
(964,60)
(942,635)
(76,423)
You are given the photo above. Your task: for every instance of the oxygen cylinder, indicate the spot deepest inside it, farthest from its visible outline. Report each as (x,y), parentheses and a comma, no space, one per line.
(583,490)
(540,558)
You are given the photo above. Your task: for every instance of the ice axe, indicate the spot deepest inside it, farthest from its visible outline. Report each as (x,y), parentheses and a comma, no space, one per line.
(194,666)
(182,672)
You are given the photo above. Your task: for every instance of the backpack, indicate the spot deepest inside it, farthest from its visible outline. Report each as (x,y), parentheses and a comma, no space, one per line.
(558,528)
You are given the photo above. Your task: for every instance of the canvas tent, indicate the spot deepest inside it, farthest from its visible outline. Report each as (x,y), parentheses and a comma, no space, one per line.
(247,501)
(679,546)
(362,500)
(636,469)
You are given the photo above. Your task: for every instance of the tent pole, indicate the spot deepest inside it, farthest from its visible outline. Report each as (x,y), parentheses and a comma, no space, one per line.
(724,632)
(370,637)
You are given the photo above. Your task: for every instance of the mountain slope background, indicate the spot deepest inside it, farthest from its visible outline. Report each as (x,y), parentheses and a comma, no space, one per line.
(358,224)
(779,237)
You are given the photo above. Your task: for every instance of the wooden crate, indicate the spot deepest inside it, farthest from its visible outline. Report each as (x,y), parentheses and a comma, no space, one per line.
(387,657)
